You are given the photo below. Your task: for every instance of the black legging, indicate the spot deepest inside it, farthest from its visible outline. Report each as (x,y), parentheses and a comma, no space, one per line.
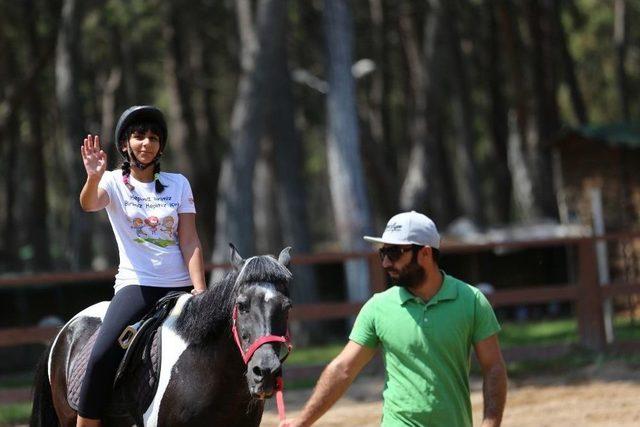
(128,306)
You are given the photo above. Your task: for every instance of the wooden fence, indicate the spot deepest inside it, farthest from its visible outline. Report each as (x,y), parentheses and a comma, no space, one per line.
(587,293)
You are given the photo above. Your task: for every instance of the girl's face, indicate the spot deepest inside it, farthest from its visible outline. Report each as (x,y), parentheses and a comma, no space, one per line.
(145,145)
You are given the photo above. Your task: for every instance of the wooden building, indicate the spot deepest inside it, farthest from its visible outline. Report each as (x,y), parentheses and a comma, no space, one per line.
(606,159)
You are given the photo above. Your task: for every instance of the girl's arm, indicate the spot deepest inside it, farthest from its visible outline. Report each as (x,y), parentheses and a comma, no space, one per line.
(93,198)
(191,250)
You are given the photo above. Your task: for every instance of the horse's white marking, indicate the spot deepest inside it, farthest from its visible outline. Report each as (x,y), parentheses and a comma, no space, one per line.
(97,310)
(172,346)
(270,292)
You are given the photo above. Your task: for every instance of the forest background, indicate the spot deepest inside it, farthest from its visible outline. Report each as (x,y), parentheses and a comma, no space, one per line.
(303,123)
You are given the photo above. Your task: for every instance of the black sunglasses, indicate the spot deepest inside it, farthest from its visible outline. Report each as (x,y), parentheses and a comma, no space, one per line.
(395,252)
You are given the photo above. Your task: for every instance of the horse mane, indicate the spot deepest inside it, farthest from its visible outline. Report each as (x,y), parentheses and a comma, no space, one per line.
(208,315)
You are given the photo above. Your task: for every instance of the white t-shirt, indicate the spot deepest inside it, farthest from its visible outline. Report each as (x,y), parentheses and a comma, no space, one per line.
(145,224)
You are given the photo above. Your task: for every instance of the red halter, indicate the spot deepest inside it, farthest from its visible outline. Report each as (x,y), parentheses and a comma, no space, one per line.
(247,355)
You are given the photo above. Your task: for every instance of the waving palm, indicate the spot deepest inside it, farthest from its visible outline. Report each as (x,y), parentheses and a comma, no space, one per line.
(94,159)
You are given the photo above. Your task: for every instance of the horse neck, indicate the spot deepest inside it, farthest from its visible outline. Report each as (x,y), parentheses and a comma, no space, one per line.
(208,315)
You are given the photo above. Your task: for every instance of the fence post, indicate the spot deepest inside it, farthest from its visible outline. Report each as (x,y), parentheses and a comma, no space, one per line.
(589,302)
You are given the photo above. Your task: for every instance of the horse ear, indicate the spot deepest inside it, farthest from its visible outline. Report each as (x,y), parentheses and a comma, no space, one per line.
(235,258)
(284,258)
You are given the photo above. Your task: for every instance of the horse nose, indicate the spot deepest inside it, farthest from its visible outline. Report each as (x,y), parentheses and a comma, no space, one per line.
(268,366)
(266,370)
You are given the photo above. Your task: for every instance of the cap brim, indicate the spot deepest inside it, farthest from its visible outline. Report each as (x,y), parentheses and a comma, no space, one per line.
(385,241)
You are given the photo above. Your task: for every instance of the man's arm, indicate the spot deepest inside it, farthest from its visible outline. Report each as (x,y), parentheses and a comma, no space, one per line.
(333,382)
(494,386)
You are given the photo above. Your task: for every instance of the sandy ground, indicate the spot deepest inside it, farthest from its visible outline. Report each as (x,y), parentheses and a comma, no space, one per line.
(607,395)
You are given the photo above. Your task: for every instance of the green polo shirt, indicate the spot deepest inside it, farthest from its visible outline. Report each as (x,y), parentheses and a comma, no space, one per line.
(426,349)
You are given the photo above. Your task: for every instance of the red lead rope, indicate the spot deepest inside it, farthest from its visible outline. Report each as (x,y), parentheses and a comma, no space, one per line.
(280,399)
(246,356)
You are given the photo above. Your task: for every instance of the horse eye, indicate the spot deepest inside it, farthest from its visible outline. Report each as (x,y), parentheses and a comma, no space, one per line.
(286,305)
(243,303)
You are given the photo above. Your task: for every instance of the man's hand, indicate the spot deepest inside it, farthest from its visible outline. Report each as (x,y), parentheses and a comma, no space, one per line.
(333,382)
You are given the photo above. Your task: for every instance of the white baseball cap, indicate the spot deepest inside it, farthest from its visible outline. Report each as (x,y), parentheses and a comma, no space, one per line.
(409,228)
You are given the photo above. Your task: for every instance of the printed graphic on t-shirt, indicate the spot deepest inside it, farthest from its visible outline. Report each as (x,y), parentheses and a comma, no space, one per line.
(158,231)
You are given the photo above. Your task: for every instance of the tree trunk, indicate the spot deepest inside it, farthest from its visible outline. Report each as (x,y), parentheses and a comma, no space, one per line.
(468,179)
(546,107)
(377,153)
(265,211)
(183,133)
(526,205)
(620,40)
(291,195)
(424,182)
(501,188)
(346,177)
(36,220)
(10,260)
(234,216)
(110,82)
(189,140)
(568,65)
(68,66)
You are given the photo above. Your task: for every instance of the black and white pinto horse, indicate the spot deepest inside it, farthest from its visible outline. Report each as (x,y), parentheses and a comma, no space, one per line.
(221,355)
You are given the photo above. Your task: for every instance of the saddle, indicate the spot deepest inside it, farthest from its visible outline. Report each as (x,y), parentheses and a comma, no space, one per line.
(140,365)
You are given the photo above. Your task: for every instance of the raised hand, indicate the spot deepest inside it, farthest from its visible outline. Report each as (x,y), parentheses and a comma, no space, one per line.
(94,159)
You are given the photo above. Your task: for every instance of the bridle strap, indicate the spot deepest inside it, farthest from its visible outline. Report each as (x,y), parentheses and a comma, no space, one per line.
(259,342)
(247,355)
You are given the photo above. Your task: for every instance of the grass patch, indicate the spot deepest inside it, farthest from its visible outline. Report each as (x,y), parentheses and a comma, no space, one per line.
(314,355)
(626,329)
(13,414)
(564,331)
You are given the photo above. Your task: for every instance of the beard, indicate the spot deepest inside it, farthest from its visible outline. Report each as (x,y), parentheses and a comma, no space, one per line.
(411,276)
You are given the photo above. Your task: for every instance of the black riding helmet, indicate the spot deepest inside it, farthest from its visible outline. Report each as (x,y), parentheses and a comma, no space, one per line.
(140,114)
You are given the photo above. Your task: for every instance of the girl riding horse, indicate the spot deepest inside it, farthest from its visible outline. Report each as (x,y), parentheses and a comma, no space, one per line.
(153,261)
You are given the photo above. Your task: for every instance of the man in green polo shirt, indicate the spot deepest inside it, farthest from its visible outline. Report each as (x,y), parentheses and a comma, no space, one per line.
(426,327)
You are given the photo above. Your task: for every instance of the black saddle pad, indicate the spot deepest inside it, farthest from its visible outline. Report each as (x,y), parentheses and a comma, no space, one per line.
(137,377)
(143,371)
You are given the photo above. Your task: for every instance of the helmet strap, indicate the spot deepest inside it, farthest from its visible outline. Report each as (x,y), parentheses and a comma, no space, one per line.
(137,163)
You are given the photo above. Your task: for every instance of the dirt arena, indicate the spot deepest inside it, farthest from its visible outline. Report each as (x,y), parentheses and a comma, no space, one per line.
(607,395)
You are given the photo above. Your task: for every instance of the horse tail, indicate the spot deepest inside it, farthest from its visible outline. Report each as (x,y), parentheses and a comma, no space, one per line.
(43,413)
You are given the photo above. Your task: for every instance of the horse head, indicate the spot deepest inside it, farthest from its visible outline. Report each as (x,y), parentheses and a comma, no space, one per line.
(260,318)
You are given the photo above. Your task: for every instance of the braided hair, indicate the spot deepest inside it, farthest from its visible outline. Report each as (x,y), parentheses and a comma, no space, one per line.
(156,176)
(126,165)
